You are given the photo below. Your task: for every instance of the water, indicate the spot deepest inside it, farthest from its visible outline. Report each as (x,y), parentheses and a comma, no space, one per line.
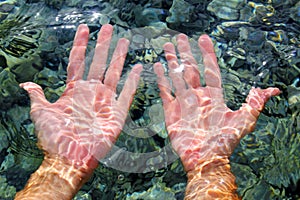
(257,44)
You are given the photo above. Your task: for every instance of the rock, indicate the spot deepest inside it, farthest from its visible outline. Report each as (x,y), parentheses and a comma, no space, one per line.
(10,91)
(228,10)
(180,12)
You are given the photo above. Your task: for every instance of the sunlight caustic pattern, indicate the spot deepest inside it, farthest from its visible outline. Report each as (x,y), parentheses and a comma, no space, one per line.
(82,126)
(202,129)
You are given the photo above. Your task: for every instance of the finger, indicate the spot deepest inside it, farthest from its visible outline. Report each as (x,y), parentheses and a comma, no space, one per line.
(175,70)
(191,72)
(245,118)
(36,95)
(130,86)
(257,97)
(163,84)
(212,70)
(98,65)
(77,56)
(114,71)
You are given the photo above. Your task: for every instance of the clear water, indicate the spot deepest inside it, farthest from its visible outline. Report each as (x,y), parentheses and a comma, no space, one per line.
(257,44)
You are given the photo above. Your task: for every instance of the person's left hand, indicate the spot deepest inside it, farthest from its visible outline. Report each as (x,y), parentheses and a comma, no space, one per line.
(83,124)
(201,127)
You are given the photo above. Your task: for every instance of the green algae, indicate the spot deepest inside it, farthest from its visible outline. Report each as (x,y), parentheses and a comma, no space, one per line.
(6,191)
(157,191)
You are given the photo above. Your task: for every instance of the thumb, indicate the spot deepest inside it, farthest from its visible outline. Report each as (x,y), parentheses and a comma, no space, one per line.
(36,94)
(258,97)
(246,117)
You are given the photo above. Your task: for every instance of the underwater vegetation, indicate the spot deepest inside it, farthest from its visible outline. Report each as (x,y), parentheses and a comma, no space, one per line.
(257,43)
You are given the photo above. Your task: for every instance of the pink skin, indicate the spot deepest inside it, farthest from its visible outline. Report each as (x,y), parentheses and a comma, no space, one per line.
(84,123)
(202,129)
(198,114)
(86,120)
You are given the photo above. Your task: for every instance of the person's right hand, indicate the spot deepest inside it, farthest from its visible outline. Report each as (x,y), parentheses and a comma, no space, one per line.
(201,127)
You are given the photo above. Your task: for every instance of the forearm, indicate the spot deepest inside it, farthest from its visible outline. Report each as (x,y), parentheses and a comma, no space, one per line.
(56,178)
(211,180)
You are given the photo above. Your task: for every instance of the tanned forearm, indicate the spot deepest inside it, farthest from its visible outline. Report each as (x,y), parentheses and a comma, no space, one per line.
(56,178)
(211,180)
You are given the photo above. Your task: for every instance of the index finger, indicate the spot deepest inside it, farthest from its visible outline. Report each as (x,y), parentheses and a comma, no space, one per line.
(212,70)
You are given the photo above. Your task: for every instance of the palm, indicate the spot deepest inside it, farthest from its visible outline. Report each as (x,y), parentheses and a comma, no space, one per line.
(87,119)
(200,125)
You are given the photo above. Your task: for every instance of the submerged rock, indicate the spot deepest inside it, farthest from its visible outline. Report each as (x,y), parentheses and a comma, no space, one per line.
(257,43)
(157,191)
(10,91)
(228,10)
(295,12)
(180,12)
(6,191)
(272,152)
(7,7)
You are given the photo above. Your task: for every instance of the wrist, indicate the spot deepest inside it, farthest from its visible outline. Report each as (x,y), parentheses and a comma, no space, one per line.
(211,180)
(56,178)
(210,165)
(66,170)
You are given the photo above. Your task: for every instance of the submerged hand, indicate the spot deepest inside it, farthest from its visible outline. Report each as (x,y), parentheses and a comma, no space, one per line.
(201,127)
(87,119)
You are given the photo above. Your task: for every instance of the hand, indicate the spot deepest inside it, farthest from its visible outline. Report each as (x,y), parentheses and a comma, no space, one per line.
(87,119)
(201,127)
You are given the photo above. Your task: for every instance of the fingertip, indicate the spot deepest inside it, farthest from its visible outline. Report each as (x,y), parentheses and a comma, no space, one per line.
(35,92)
(107,26)
(81,36)
(158,68)
(204,38)
(124,41)
(21,85)
(274,91)
(138,68)
(157,65)
(182,36)
(205,43)
(267,93)
(83,28)
(135,72)
(29,86)
(168,46)
(82,25)
(106,31)
(122,48)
